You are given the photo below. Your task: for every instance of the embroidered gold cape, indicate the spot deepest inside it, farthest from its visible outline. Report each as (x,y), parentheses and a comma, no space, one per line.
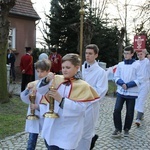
(80,90)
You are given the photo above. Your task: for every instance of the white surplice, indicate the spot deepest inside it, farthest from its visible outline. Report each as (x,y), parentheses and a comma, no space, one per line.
(65,131)
(34,126)
(97,78)
(145,85)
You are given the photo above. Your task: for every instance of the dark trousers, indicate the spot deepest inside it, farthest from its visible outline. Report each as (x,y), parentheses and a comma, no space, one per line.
(12,73)
(26,78)
(130,103)
(32,141)
(140,115)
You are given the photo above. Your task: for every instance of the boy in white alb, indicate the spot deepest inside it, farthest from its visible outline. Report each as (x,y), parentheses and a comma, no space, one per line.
(127,77)
(37,88)
(96,76)
(145,85)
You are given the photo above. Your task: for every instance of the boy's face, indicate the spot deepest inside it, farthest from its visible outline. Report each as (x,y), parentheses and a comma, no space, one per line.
(41,73)
(68,69)
(90,56)
(141,55)
(127,55)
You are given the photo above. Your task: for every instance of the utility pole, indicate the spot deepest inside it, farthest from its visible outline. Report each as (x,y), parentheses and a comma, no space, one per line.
(125,20)
(81,27)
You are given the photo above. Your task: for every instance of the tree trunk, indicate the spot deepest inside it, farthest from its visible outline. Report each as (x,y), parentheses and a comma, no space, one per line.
(4,32)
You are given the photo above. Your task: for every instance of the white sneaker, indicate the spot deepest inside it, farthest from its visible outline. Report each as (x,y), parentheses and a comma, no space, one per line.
(138,122)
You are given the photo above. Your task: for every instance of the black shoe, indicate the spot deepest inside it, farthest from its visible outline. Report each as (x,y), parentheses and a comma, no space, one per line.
(94,139)
(126,133)
(142,118)
(116,134)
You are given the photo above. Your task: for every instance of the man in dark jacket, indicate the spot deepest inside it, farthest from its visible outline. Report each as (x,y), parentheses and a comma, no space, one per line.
(11,61)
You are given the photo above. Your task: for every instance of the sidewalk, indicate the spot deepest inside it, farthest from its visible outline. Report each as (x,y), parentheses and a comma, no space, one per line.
(139,138)
(15,88)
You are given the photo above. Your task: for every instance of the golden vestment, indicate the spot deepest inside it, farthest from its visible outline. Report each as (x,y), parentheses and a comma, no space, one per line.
(79,91)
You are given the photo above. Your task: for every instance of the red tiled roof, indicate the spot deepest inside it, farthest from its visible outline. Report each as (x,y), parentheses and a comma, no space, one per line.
(24,8)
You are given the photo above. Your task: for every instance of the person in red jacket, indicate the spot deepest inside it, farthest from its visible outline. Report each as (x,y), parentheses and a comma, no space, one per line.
(26,66)
(55,59)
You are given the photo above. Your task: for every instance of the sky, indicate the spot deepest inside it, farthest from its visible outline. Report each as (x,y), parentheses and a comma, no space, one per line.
(42,6)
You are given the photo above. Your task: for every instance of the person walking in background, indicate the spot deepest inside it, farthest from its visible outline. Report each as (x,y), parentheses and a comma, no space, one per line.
(37,88)
(26,66)
(43,56)
(55,58)
(96,76)
(127,77)
(145,85)
(11,61)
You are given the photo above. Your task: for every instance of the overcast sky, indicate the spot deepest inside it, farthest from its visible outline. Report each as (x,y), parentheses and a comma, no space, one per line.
(41,6)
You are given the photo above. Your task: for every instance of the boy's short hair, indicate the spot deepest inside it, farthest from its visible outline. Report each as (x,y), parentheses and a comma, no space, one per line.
(73,58)
(94,47)
(129,48)
(44,65)
(145,51)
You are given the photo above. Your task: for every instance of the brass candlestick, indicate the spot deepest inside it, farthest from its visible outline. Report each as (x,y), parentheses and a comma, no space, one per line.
(51,113)
(32,115)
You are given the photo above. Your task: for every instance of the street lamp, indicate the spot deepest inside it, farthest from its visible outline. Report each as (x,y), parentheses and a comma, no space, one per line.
(81,11)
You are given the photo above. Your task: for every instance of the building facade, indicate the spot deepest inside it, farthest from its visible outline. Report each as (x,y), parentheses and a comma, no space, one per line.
(22,33)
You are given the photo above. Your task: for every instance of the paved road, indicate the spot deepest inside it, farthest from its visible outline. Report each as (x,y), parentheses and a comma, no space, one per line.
(139,138)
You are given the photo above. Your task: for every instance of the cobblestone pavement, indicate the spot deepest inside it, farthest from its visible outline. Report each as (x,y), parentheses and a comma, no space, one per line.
(139,138)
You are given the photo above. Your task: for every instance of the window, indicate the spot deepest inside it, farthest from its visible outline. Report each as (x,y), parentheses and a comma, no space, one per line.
(12,38)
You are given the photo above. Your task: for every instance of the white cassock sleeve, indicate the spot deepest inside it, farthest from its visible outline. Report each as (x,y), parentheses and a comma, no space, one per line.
(73,108)
(25,97)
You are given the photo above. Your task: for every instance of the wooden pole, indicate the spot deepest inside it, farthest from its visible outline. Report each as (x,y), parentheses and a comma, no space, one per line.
(81,28)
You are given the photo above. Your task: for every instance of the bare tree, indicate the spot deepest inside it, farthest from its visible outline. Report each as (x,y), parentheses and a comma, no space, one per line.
(45,32)
(132,15)
(98,7)
(5,6)
(143,15)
